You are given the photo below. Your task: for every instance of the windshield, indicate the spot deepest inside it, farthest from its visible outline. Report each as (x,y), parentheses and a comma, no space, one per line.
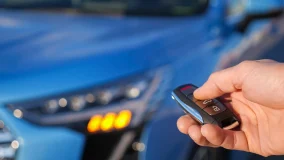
(125,7)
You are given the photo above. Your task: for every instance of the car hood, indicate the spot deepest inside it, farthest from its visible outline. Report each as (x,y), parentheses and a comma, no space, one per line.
(43,53)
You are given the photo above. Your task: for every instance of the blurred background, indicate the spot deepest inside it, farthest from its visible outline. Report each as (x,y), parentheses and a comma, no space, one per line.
(91,79)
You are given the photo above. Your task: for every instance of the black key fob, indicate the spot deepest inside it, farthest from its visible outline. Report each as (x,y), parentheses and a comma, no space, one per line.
(204,111)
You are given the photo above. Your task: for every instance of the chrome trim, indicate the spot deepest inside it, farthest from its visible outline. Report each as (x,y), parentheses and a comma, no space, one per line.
(189,109)
(233,125)
(122,146)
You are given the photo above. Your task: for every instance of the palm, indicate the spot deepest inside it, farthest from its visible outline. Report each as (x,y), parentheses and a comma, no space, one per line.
(263,134)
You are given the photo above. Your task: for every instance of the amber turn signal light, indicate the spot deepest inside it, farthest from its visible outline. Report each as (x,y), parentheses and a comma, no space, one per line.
(109,121)
(123,119)
(94,123)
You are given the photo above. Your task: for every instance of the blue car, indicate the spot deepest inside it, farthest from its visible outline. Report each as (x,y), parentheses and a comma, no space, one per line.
(91,79)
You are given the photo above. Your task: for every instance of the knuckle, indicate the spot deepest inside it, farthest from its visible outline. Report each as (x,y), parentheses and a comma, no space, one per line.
(213,76)
(247,63)
(243,70)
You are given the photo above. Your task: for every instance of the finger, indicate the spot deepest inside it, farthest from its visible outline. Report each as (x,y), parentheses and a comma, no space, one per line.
(187,125)
(219,83)
(228,139)
(225,81)
(184,122)
(194,132)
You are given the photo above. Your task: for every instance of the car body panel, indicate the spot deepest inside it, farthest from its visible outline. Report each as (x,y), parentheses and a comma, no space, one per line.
(43,143)
(86,54)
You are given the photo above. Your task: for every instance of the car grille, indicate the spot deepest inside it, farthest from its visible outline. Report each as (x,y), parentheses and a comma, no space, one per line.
(112,146)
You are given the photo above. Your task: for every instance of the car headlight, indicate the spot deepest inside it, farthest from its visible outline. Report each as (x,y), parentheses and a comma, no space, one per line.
(39,110)
(105,108)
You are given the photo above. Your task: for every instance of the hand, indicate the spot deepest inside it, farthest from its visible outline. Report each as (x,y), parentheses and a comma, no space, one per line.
(256,91)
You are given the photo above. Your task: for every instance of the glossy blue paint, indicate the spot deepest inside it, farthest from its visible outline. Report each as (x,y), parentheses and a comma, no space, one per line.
(93,54)
(45,54)
(43,143)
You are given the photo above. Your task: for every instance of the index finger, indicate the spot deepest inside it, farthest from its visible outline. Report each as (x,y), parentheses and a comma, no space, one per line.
(219,83)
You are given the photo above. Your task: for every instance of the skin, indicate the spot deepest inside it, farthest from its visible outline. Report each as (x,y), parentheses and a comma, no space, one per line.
(255,90)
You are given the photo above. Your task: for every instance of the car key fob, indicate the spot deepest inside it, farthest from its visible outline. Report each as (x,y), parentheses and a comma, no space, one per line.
(210,111)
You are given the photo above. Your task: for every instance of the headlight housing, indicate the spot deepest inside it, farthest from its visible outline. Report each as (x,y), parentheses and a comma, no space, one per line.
(76,109)
(38,110)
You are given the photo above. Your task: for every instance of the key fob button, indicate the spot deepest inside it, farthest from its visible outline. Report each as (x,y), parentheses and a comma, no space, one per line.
(187,90)
(214,109)
(201,104)
(204,103)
